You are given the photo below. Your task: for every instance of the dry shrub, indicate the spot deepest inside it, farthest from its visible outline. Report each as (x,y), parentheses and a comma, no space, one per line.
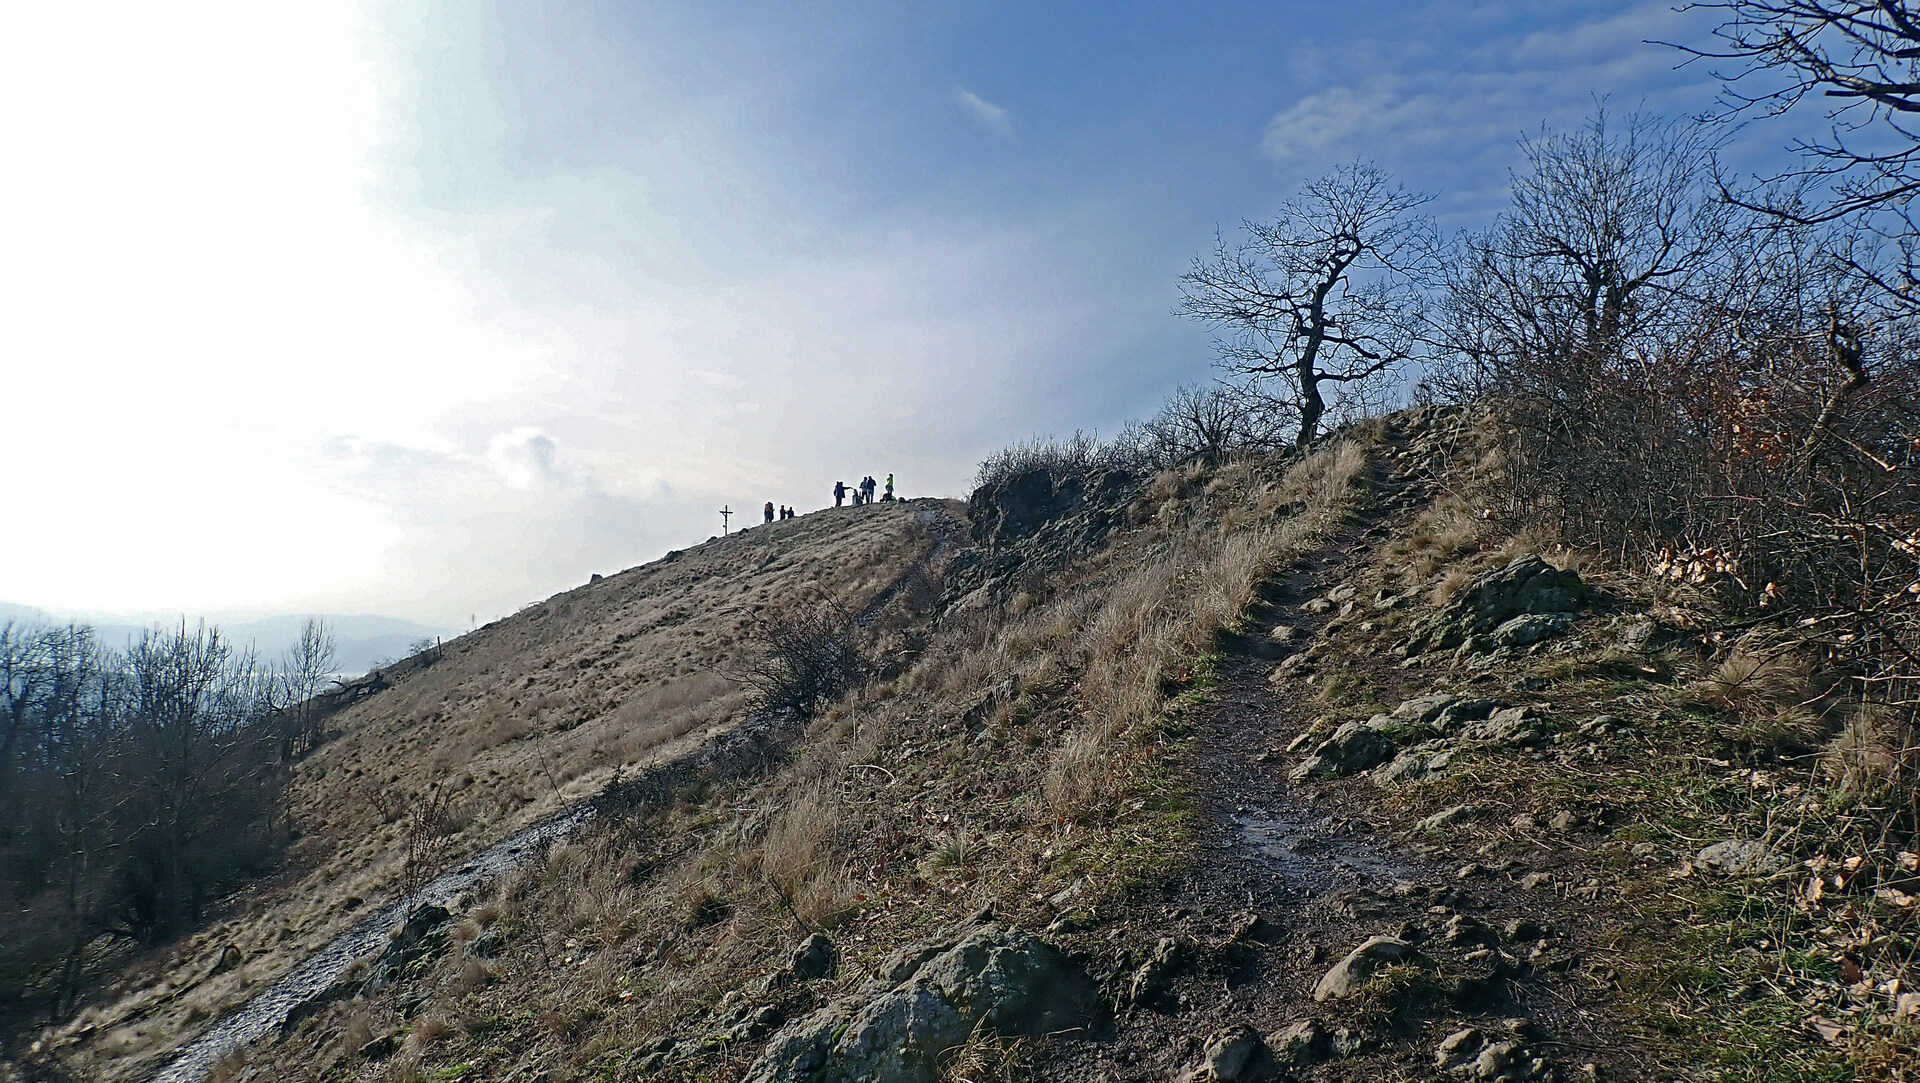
(1324,481)
(1088,772)
(357,1030)
(473,975)
(228,1068)
(1863,759)
(1757,684)
(427,1030)
(1451,584)
(800,839)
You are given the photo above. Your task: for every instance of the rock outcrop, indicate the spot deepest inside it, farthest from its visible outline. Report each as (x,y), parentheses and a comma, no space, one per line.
(996,979)
(1525,602)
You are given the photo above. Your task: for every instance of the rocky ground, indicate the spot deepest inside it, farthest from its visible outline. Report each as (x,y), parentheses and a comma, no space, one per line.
(1443,803)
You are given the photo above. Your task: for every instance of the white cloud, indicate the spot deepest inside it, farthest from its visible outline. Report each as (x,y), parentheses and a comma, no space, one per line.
(1448,128)
(525,458)
(992,117)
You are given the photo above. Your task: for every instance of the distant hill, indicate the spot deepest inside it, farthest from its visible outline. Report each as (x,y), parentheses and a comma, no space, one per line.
(360,642)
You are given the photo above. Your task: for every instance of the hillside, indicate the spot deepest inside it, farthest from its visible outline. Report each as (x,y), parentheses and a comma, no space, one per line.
(513,721)
(1285,768)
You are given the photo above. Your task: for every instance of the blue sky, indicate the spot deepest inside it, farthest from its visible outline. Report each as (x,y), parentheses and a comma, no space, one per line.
(432,309)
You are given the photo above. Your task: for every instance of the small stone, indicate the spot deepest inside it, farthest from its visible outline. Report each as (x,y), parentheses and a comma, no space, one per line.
(813,958)
(1520,929)
(1301,1044)
(1457,1047)
(1534,880)
(1470,870)
(1234,1054)
(1443,819)
(1153,983)
(1564,820)
(1740,858)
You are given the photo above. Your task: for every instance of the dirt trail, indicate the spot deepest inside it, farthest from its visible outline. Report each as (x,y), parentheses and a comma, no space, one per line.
(1292,876)
(320,974)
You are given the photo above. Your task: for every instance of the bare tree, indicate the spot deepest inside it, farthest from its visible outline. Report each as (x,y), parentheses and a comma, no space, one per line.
(1206,424)
(1862,57)
(1613,232)
(1322,299)
(304,672)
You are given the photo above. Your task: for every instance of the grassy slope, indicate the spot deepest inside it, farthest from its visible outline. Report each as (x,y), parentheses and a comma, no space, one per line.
(927,796)
(910,805)
(520,717)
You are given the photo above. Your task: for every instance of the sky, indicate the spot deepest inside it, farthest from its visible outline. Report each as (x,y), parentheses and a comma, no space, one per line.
(434,309)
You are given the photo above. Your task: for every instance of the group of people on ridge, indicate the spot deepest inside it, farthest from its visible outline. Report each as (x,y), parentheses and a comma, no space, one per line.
(862,493)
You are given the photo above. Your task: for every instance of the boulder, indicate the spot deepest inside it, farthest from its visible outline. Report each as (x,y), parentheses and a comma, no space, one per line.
(1528,585)
(1529,628)
(994,979)
(1352,973)
(1353,748)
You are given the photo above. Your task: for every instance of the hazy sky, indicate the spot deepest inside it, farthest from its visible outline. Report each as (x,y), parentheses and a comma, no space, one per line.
(434,309)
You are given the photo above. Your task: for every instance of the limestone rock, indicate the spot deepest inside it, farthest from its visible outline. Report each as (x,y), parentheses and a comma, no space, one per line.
(813,958)
(1528,585)
(1353,748)
(1301,1044)
(1529,628)
(1360,965)
(1741,857)
(996,979)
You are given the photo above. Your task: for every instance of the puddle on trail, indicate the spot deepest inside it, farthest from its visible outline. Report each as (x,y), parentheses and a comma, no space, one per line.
(366,938)
(1306,851)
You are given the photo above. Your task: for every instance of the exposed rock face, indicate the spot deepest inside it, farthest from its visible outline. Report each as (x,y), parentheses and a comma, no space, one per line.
(814,958)
(1021,504)
(1030,523)
(1527,587)
(1001,980)
(423,935)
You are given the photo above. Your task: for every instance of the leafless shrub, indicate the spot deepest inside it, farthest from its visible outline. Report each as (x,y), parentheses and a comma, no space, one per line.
(430,826)
(1078,454)
(811,655)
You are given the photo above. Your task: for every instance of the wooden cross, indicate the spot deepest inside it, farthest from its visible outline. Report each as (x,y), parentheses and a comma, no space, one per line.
(725,517)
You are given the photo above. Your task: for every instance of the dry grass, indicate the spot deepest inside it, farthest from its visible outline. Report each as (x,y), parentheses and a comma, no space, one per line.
(999,766)
(518,718)
(1757,684)
(427,1030)
(1862,761)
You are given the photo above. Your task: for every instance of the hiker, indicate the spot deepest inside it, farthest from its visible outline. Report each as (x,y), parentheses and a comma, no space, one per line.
(889,486)
(768,510)
(866,487)
(839,493)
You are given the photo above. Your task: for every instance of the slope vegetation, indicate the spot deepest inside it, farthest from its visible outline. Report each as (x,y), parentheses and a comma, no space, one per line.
(508,724)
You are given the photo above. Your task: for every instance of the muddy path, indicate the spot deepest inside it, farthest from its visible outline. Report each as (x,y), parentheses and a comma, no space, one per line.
(326,973)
